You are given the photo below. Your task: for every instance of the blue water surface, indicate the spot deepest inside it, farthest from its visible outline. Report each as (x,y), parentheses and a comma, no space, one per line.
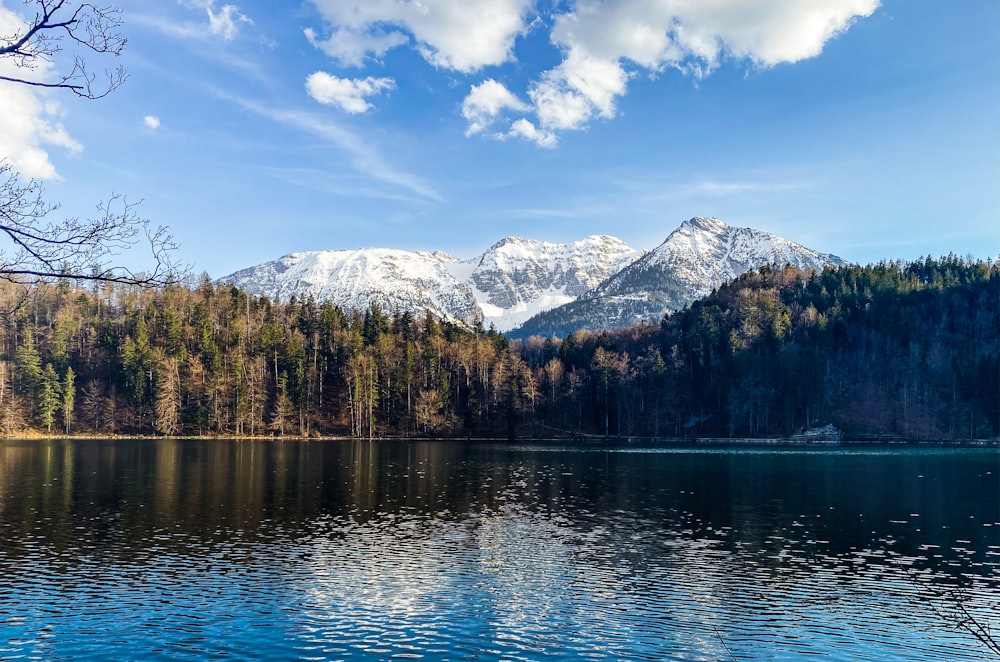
(185,549)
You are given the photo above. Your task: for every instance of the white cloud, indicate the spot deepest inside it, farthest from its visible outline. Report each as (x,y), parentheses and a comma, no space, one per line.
(656,35)
(580,88)
(606,42)
(28,123)
(349,94)
(487,101)
(350,47)
(225,23)
(522,128)
(151,122)
(463,36)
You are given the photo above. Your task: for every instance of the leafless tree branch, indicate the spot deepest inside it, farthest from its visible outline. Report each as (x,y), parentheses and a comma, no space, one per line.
(38,248)
(951,605)
(85,26)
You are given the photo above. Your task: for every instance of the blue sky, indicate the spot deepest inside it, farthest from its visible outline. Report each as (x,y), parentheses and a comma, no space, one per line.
(253,129)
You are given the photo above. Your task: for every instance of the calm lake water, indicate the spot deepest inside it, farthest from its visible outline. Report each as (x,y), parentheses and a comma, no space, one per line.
(438,550)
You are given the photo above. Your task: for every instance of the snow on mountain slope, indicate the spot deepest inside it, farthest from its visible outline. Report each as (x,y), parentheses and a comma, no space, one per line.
(703,253)
(518,278)
(396,280)
(512,281)
(700,255)
(534,287)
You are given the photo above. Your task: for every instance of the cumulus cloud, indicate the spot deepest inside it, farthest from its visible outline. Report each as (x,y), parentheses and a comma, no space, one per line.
(349,94)
(606,42)
(522,128)
(151,122)
(580,88)
(487,101)
(28,122)
(462,36)
(603,44)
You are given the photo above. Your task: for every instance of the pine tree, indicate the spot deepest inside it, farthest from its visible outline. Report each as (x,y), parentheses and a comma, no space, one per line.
(283,407)
(68,398)
(48,397)
(29,365)
(137,361)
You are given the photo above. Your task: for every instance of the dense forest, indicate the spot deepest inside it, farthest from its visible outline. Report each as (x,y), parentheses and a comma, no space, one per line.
(904,350)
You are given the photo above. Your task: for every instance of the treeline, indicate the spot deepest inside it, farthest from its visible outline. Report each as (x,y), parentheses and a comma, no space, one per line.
(889,349)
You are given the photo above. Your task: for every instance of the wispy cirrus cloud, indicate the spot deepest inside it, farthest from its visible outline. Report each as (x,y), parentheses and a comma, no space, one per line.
(224,21)
(334,183)
(363,157)
(718,188)
(653,188)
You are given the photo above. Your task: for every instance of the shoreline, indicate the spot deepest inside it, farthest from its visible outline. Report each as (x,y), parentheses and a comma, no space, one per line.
(582,440)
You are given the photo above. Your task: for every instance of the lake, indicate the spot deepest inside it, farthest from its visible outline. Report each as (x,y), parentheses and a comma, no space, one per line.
(191,549)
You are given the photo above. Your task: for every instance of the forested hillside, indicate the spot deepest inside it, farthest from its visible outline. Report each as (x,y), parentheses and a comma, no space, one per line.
(908,350)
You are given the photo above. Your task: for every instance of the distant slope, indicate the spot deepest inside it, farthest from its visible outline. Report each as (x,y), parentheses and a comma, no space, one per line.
(696,258)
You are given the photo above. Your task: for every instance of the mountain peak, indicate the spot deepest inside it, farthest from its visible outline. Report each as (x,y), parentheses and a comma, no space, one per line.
(509,241)
(706,224)
(698,256)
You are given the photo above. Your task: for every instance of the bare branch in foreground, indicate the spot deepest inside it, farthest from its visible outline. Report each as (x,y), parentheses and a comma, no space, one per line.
(34,248)
(86,26)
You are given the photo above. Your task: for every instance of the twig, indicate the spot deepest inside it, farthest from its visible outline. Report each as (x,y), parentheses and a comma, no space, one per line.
(723,642)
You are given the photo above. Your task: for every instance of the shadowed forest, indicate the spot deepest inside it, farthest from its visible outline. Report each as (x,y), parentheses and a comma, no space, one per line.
(900,350)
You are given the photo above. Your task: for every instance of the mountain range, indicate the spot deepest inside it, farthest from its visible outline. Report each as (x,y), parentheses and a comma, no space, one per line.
(524,287)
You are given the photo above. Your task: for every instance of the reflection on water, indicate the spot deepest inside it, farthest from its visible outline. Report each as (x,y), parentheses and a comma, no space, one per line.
(436,550)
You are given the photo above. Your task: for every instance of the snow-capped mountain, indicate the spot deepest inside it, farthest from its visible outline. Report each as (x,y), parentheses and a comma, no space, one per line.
(509,283)
(526,287)
(518,278)
(697,257)
(412,281)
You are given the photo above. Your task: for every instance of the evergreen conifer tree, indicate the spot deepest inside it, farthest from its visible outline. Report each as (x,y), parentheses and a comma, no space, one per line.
(68,398)
(48,397)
